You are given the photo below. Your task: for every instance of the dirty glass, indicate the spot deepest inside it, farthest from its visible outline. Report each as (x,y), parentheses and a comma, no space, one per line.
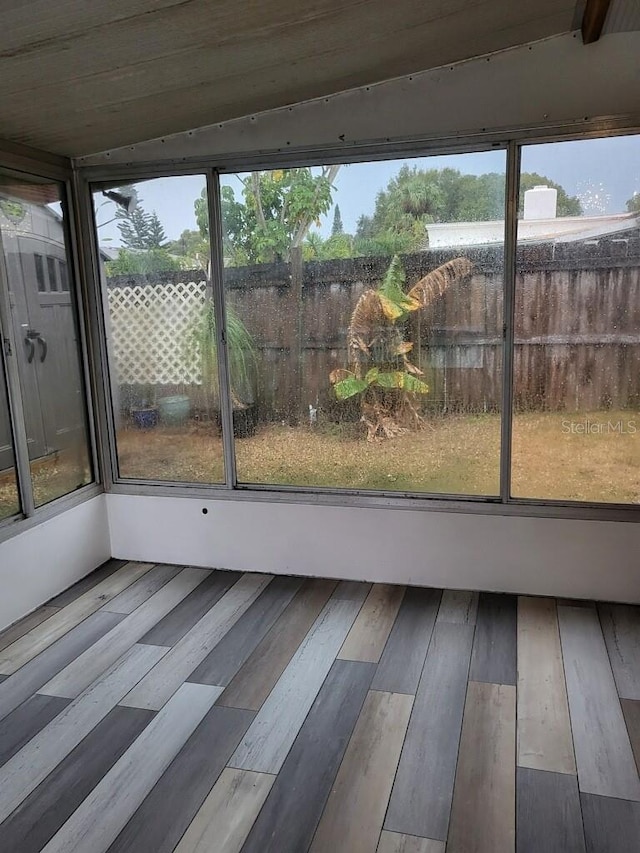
(45,329)
(576,417)
(153,239)
(364,307)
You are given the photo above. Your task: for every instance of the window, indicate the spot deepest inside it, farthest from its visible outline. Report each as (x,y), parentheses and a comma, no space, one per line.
(40,279)
(364,314)
(576,422)
(64,277)
(155,264)
(53,276)
(365,327)
(44,327)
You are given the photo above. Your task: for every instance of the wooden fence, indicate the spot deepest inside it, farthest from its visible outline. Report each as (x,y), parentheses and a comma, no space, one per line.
(577,330)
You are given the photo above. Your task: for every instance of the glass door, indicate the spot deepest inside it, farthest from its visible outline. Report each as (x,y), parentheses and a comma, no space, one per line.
(42,316)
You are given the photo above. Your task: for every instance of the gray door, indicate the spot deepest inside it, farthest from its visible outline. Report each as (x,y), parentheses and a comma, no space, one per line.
(43,321)
(52,329)
(20,272)
(45,334)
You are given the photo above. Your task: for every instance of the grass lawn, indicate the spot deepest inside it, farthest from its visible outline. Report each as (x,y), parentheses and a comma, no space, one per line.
(52,478)
(453,455)
(552,459)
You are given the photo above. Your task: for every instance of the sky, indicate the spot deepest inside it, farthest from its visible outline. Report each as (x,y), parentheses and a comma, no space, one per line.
(603,172)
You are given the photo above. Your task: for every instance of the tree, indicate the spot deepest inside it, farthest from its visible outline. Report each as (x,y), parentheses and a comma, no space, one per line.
(337,228)
(145,244)
(134,228)
(633,204)
(567,205)
(156,236)
(202,349)
(192,249)
(379,373)
(141,262)
(411,199)
(416,197)
(140,230)
(273,215)
(315,248)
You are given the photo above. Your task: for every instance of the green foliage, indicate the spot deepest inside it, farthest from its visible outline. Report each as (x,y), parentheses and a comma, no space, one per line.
(395,303)
(272,215)
(202,213)
(143,262)
(145,245)
(633,204)
(14,210)
(192,250)
(155,232)
(380,346)
(567,205)
(349,387)
(416,197)
(388,242)
(140,230)
(399,380)
(337,227)
(201,345)
(315,248)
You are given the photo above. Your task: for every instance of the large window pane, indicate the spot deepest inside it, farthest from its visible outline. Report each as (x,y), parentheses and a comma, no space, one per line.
(364,307)
(576,429)
(154,255)
(45,329)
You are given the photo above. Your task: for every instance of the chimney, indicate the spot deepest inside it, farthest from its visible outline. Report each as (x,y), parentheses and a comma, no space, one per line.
(540,203)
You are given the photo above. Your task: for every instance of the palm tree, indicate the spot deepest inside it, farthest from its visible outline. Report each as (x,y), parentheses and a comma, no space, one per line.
(201,346)
(379,369)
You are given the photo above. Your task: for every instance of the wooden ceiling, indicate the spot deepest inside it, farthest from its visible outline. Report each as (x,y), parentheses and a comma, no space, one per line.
(79,77)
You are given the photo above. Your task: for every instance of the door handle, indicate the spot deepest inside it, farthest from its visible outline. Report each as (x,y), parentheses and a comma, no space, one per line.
(31,349)
(44,348)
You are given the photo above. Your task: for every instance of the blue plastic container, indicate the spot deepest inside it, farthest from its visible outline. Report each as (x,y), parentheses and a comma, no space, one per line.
(174,410)
(145,418)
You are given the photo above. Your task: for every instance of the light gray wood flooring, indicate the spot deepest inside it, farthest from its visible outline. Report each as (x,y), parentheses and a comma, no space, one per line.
(154,709)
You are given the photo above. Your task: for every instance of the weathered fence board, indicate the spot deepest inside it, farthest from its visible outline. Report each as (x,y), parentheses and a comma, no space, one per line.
(577,328)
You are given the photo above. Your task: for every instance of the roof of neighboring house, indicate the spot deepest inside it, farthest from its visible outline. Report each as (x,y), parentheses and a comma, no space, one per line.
(565,229)
(109,253)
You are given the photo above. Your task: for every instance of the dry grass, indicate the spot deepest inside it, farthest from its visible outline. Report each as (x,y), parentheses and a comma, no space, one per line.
(51,478)
(189,454)
(601,465)
(459,457)
(453,455)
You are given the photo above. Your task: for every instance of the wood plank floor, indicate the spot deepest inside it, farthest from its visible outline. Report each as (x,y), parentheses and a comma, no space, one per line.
(154,709)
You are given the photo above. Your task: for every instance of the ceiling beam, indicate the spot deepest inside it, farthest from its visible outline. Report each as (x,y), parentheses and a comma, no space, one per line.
(595,14)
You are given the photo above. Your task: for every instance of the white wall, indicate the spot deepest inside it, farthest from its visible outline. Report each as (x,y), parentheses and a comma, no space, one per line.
(44,560)
(571,558)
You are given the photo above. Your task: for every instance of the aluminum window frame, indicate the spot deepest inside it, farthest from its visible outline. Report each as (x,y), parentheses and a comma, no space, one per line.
(24,165)
(505,504)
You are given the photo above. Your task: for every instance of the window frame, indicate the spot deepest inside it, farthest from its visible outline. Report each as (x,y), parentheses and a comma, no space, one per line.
(48,168)
(213,167)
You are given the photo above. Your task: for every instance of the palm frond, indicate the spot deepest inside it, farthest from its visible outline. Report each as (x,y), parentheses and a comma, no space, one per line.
(366,321)
(437,282)
(241,350)
(395,302)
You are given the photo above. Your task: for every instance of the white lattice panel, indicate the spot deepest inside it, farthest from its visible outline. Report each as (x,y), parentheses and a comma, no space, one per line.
(150,328)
